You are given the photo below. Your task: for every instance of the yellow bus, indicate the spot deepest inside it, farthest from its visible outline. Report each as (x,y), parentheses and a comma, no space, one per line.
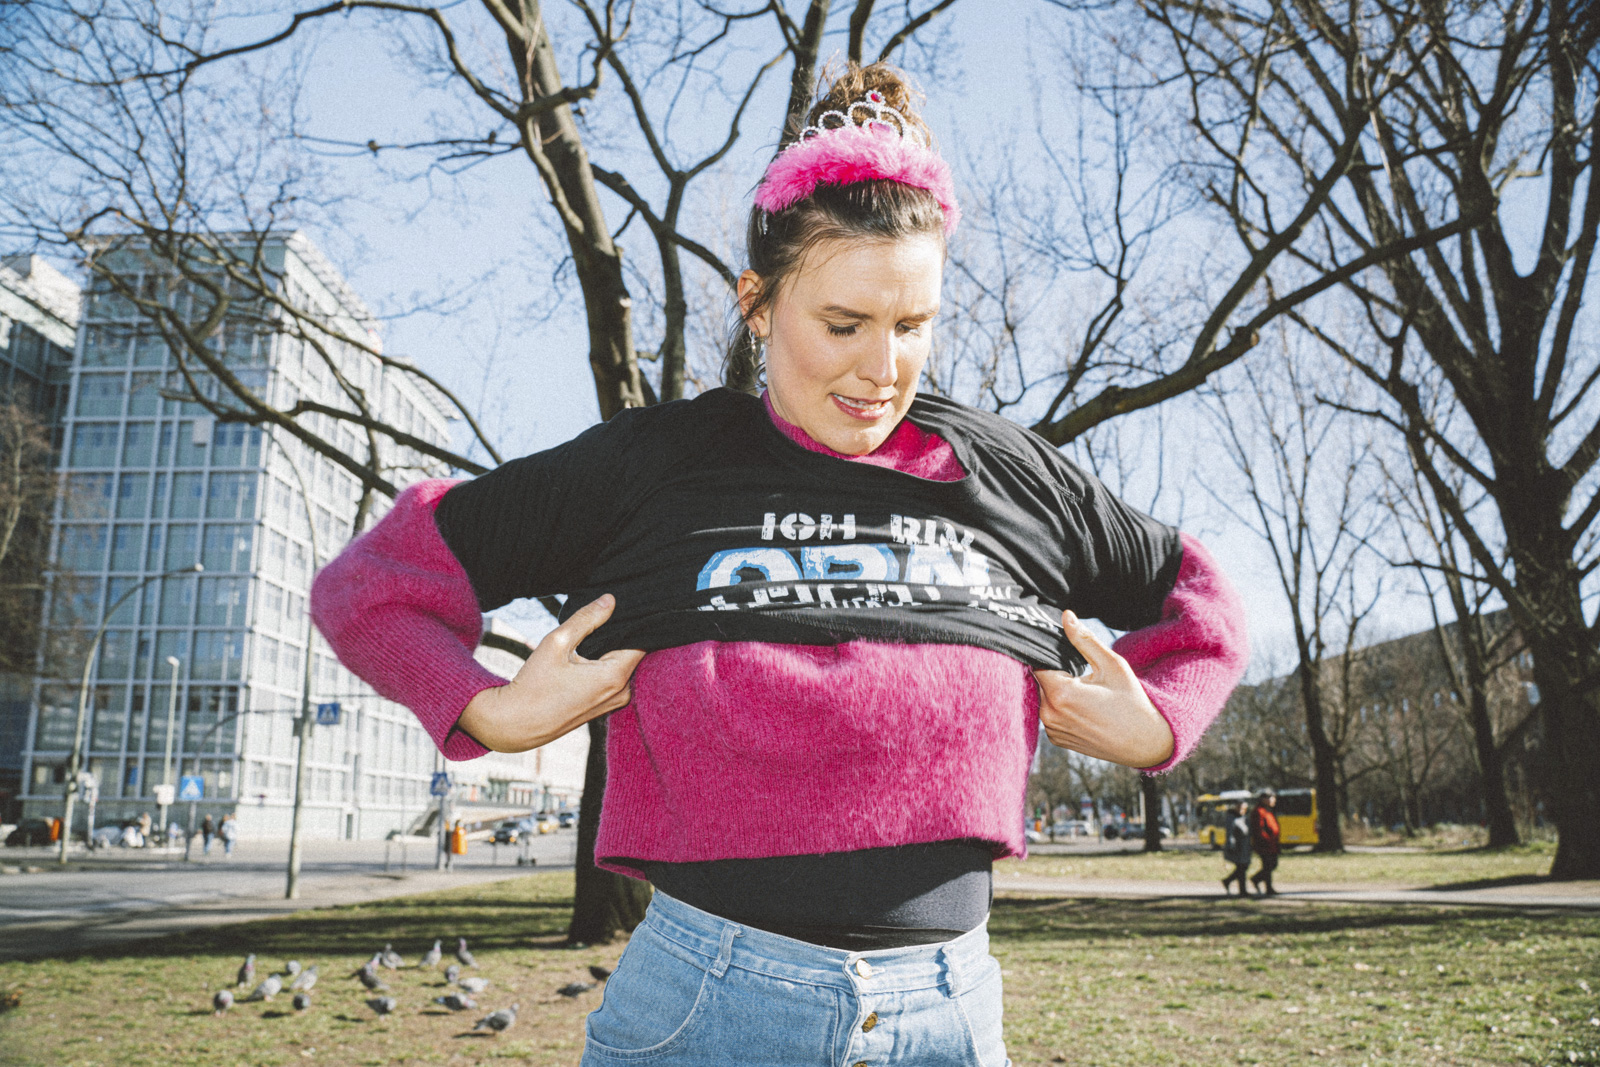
(1297,817)
(1296,812)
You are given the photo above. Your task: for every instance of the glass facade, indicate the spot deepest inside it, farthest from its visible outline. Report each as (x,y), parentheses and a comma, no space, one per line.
(155,484)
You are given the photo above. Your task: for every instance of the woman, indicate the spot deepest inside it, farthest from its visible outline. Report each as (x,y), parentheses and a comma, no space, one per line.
(1236,850)
(1264,836)
(828,623)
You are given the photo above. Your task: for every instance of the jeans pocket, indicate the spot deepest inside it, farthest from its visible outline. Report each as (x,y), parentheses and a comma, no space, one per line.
(982,1007)
(651,1003)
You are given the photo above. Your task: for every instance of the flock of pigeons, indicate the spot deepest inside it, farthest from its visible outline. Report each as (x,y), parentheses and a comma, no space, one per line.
(300,981)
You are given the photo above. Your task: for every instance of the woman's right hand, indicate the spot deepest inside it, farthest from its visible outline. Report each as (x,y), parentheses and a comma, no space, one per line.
(556,690)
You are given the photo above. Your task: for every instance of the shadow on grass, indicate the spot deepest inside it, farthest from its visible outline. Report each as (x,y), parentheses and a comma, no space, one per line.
(1040,919)
(1493,883)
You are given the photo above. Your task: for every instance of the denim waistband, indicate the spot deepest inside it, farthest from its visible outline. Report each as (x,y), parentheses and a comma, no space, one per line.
(723,944)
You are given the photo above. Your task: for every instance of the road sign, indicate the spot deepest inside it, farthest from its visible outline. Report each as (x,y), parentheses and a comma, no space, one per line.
(440,786)
(191,787)
(328,714)
(165,794)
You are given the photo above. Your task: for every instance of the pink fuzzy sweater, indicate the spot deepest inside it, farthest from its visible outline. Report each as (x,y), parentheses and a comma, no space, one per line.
(746,749)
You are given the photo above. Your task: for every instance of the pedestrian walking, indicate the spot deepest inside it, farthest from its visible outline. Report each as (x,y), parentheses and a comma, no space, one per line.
(1236,849)
(229,832)
(144,827)
(208,829)
(840,597)
(1264,841)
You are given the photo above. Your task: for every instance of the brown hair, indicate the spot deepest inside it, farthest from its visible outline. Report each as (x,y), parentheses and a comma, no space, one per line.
(879,210)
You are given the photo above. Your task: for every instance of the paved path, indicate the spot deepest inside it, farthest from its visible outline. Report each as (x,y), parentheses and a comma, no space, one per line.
(121,895)
(1559,895)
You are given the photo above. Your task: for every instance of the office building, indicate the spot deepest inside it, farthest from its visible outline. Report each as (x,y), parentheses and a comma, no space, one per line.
(153,484)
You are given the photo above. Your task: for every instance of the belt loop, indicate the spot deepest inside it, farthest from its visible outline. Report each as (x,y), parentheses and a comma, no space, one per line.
(952,971)
(725,951)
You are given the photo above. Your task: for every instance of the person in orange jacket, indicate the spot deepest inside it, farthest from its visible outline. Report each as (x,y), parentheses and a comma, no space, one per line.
(1264,840)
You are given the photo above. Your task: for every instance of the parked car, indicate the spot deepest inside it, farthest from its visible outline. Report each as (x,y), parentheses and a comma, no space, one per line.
(1131,830)
(567,819)
(508,832)
(30,832)
(545,823)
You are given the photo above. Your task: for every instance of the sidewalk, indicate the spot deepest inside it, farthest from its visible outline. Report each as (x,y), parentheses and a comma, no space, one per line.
(119,895)
(1583,896)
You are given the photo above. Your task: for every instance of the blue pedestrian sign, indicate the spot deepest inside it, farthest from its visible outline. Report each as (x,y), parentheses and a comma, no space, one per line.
(328,714)
(191,787)
(440,786)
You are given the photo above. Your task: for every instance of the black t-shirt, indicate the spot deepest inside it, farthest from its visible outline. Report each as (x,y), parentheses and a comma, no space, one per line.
(706,522)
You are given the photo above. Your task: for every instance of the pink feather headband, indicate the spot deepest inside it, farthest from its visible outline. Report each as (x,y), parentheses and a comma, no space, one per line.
(844,155)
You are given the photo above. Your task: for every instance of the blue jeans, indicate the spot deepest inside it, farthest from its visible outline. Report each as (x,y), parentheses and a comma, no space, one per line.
(693,988)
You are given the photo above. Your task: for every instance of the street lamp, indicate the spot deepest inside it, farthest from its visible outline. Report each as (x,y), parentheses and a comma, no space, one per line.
(303,722)
(76,762)
(166,767)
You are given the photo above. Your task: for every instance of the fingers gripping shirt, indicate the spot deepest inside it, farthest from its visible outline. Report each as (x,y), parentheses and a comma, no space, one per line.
(707,523)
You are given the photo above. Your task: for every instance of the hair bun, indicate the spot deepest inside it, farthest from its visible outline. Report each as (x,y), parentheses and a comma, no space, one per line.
(838,92)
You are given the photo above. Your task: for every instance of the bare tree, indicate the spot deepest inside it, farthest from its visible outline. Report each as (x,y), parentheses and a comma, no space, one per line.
(1301,490)
(28,489)
(1475,649)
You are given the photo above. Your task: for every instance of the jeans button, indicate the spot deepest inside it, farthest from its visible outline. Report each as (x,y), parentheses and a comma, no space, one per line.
(863,968)
(869,1022)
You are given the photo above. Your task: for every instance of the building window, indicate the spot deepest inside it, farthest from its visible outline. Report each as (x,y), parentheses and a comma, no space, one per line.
(187,490)
(138,444)
(106,346)
(133,496)
(227,548)
(83,548)
(100,395)
(183,545)
(222,602)
(127,547)
(232,496)
(94,444)
(177,601)
(87,496)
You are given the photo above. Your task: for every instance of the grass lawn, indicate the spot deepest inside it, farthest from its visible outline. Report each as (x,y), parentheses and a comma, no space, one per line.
(1094,983)
(1432,868)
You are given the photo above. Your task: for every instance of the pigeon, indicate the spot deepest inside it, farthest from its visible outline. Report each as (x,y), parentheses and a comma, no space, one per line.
(269,988)
(222,1001)
(247,970)
(302,1001)
(370,979)
(383,1005)
(497,1020)
(575,989)
(464,954)
(456,1002)
(473,985)
(291,968)
(431,957)
(600,973)
(390,958)
(451,973)
(305,980)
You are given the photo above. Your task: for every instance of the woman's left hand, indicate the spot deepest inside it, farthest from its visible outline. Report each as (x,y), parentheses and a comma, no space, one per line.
(1104,713)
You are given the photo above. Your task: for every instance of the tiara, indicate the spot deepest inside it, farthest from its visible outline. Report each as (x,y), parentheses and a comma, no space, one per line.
(884,145)
(879,115)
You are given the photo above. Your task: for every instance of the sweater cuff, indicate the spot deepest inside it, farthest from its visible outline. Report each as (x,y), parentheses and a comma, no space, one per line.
(1190,661)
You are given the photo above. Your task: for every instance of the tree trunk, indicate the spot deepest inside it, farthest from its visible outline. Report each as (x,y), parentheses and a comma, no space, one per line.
(1491,768)
(1325,764)
(1563,667)
(604,903)
(1150,786)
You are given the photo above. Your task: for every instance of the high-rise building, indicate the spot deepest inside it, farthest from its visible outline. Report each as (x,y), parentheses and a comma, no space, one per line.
(153,484)
(38,322)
